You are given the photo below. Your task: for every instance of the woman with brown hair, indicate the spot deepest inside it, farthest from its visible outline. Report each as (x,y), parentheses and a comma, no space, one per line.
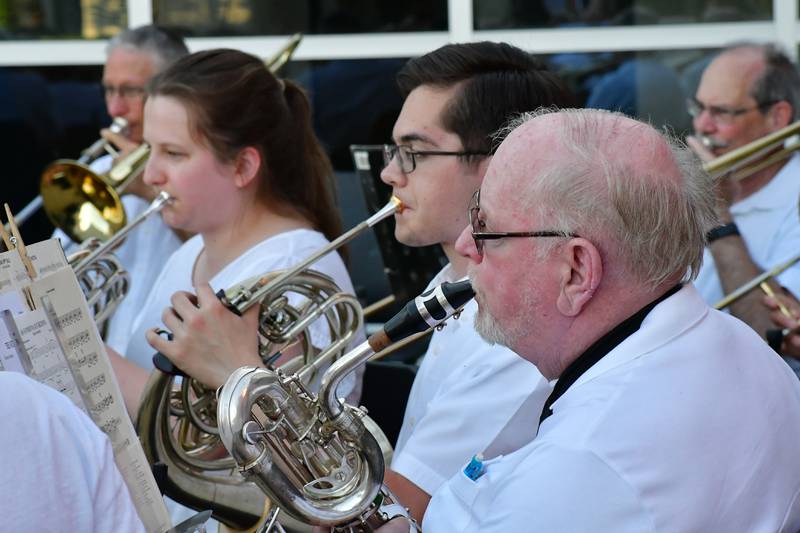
(234,148)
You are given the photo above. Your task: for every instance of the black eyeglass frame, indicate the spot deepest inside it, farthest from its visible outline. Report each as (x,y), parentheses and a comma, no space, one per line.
(695,108)
(480,236)
(391,150)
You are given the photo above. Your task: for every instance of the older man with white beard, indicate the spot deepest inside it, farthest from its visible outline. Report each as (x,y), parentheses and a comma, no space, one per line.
(666,415)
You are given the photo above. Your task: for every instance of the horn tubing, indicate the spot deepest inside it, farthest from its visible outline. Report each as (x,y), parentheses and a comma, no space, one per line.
(242,302)
(161,201)
(447,297)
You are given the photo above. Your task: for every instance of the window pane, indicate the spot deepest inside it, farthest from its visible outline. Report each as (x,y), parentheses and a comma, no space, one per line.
(274,17)
(48,113)
(62,19)
(354,101)
(647,85)
(504,14)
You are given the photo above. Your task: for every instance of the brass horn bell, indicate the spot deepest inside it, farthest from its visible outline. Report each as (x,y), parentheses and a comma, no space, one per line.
(85,204)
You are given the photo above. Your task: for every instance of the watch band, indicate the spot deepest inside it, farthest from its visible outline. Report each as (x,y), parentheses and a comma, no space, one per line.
(719,232)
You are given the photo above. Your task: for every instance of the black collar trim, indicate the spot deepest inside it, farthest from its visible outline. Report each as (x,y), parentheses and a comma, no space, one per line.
(598,350)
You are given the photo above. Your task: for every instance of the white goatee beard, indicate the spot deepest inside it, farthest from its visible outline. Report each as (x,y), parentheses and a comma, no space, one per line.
(489,329)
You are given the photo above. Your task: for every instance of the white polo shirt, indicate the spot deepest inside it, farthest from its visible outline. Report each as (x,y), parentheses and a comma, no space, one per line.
(464,393)
(687,425)
(57,470)
(769,223)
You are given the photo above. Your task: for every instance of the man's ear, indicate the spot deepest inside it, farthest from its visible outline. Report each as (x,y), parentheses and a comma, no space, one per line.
(247,165)
(581,270)
(780,115)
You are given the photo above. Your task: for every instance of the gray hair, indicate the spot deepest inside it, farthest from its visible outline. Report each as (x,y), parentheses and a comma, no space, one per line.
(656,216)
(164,45)
(780,80)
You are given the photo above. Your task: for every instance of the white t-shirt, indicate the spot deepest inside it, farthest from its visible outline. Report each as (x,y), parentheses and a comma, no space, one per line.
(770,226)
(683,427)
(278,252)
(143,252)
(275,253)
(58,470)
(464,393)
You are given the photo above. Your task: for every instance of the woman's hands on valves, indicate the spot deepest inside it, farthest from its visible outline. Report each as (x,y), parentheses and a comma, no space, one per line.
(208,341)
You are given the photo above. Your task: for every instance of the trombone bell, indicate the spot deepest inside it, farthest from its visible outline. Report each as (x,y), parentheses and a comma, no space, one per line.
(87,205)
(80,203)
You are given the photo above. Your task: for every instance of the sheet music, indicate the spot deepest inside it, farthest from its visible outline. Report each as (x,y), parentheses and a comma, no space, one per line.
(12,271)
(39,350)
(47,257)
(11,303)
(47,331)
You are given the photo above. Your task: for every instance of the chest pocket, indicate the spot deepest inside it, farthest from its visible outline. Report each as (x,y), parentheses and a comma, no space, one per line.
(463,493)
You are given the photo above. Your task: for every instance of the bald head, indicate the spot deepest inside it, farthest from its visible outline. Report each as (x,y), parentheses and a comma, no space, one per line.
(737,70)
(638,194)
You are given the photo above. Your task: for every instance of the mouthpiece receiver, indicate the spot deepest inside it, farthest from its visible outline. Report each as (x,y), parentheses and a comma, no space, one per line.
(427,310)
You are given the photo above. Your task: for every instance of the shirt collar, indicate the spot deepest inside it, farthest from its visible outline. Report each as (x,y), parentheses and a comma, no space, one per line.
(599,349)
(782,190)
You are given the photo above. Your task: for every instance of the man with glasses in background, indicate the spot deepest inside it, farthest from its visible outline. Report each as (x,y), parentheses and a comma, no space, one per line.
(456,98)
(132,58)
(745,93)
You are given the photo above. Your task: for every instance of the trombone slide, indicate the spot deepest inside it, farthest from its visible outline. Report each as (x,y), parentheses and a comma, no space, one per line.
(755,282)
(758,154)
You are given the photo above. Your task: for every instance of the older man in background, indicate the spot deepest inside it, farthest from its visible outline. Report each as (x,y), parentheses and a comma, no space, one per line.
(133,57)
(745,93)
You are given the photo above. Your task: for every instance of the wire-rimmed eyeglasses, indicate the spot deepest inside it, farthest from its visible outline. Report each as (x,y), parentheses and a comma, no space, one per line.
(721,114)
(407,156)
(128,92)
(478,225)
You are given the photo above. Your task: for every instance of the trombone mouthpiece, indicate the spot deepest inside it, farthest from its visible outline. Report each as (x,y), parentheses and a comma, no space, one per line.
(711,143)
(119,125)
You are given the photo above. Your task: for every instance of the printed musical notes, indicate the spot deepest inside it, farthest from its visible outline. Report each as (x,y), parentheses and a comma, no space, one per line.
(47,331)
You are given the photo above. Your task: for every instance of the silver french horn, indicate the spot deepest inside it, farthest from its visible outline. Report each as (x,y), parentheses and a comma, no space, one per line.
(314,455)
(177,420)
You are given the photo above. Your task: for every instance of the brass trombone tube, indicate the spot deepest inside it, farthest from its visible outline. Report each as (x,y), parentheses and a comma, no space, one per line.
(282,56)
(119,125)
(736,160)
(758,166)
(374,307)
(755,282)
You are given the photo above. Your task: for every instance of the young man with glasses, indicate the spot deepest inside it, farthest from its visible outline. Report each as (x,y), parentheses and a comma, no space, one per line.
(745,93)
(665,415)
(456,98)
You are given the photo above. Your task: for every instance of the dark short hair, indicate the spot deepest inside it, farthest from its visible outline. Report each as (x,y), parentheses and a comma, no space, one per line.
(234,102)
(780,80)
(163,43)
(497,81)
